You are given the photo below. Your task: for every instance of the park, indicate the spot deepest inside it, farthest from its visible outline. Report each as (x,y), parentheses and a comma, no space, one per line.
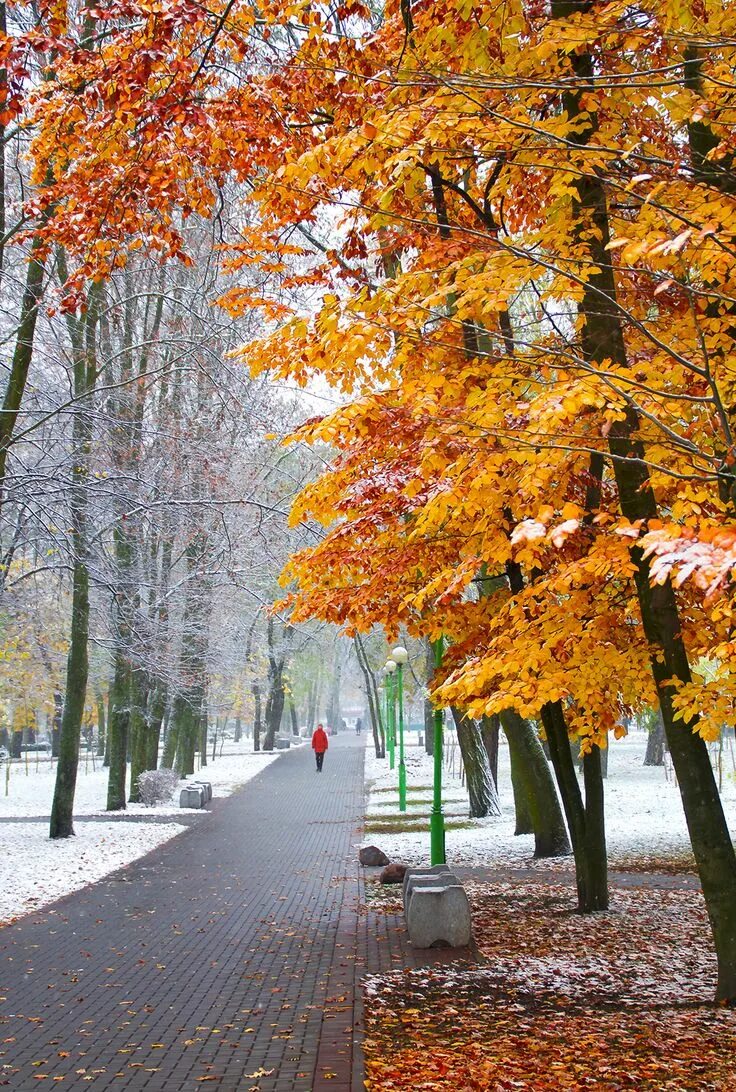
(367,545)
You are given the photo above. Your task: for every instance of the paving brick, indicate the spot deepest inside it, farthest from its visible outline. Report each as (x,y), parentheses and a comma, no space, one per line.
(230,953)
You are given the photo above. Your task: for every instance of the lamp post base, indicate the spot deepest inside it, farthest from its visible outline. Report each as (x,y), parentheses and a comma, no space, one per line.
(402,786)
(437,838)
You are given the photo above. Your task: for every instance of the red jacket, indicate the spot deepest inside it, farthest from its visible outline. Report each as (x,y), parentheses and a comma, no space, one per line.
(319,741)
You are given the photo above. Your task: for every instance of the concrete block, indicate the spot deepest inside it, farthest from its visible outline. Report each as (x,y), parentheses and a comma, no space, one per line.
(431,870)
(191,797)
(440,879)
(439,916)
(282,744)
(207,786)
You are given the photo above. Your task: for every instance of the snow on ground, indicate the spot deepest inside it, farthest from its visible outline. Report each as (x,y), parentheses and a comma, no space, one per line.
(38,870)
(644,817)
(30,793)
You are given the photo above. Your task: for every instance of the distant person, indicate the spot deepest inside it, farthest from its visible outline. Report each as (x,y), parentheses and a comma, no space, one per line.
(358,726)
(319,746)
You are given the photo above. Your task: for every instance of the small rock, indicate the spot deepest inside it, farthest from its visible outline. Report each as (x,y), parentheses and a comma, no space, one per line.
(372,856)
(393,873)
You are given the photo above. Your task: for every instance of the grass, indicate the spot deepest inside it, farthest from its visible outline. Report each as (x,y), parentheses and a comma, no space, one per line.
(402,824)
(409,788)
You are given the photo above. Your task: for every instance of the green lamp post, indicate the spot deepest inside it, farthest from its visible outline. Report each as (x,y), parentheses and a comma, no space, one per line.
(399,656)
(389,668)
(437,819)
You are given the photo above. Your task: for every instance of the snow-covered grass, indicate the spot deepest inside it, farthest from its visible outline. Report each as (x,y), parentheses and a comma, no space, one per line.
(43,870)
(645,825)
(31,793)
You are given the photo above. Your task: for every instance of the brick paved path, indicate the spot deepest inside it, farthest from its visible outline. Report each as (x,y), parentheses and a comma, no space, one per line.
(225,959)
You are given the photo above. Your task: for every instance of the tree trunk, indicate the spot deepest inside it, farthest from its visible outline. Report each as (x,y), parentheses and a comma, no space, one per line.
(655,743)
(333,707)
(585,821)
(203,730)
(374,701)
(238,733)
(537,804)
(62,808)
(155,721)
(489,728)
(293,716)
(603,340)
(257,717)
(138,727)
(276,693)
(428,707)
(481,789)
(23,352)
(56,724)
(522,812)
(168,755)
(82,333)
(101,725)
(118,722)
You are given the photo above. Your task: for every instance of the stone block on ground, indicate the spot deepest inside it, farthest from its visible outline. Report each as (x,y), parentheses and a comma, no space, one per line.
(440,879)
(207,788)
(423,870)
(282,744)
(191,797)
(439,916)
(372,857)
(393,873)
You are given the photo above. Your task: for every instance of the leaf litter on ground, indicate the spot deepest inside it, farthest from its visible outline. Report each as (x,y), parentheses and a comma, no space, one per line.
(611,1001)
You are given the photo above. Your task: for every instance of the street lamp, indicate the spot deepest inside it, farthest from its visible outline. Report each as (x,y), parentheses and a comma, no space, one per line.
(400,656)
(389,668)
(437,819)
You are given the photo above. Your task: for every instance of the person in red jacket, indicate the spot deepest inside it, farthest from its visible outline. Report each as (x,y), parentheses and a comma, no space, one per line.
(319,746)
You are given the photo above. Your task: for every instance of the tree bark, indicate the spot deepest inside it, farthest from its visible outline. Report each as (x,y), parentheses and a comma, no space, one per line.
(489,728)
(535,797)
(481,789)
(82,334)
(655,744)
(138,726)
(374,701)
(294,717)
(118,722)
(602,340)
(257,717)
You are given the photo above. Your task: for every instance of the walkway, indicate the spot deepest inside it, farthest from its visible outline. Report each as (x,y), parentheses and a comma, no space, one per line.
(225,959)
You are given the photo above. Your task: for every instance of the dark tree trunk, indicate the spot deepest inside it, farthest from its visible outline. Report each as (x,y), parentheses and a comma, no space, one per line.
(203,729)
(56,724)
(490,727)
(481,789)
(118,722)
(101,724)
(62,808)
(374,701)
(603,340)
(138,728)
(585,820)
(82,334)
(257,717)
(155,722)
(656,743)
(537,804)
(294,717)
